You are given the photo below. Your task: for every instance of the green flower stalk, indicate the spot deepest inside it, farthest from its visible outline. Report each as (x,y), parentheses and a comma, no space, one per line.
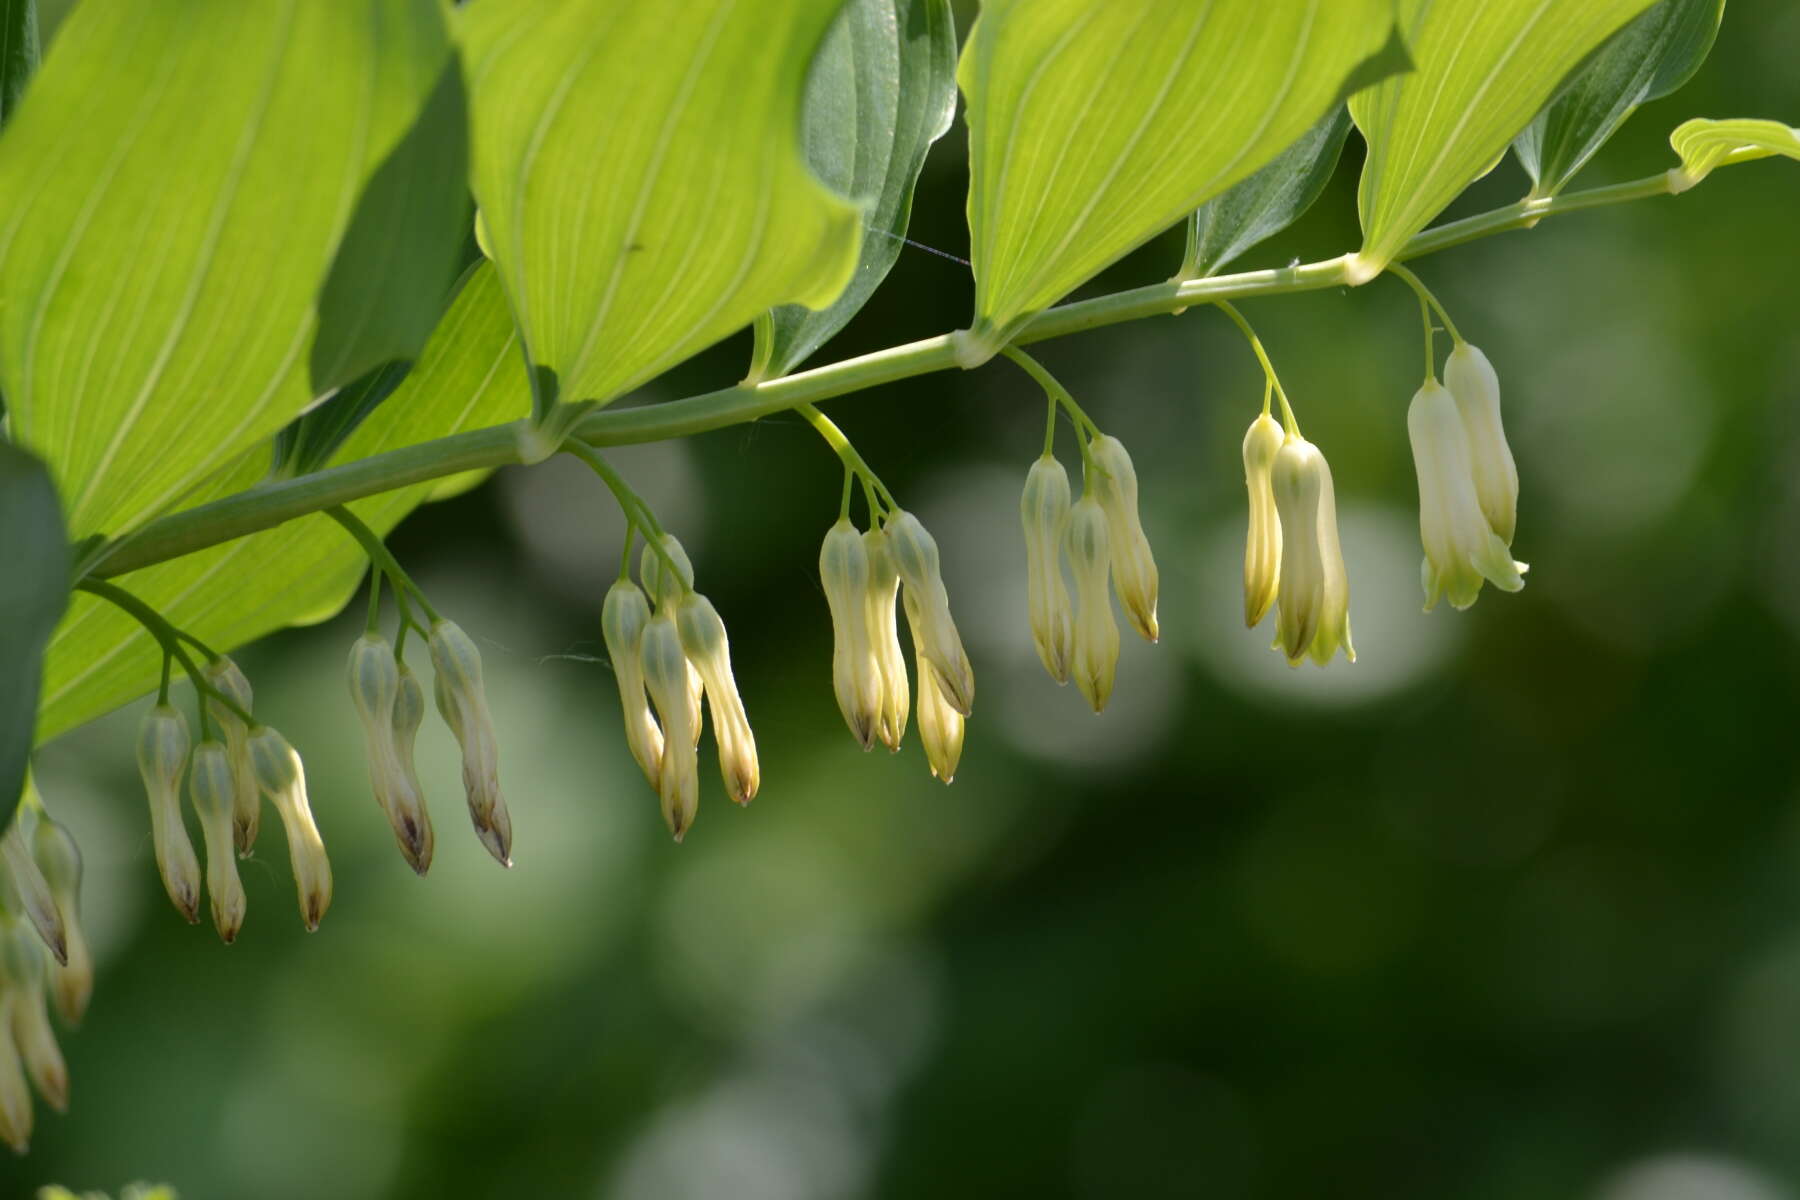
(212,784)
(1133,567)
(704,643)
(1262,544)
(462,700)
(162,753)
(855,670)
(1096,657)
(246,806)
(1313,597)
(282,778)
(880,609)
(1044,514)
(623,617)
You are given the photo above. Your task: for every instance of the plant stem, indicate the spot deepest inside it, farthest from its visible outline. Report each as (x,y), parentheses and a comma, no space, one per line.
(381,559)
(272,503)
(631,505)
(834,437)
(170,639)
(1273,380)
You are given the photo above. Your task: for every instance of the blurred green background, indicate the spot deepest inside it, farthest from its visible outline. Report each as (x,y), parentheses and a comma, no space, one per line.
(1509,908)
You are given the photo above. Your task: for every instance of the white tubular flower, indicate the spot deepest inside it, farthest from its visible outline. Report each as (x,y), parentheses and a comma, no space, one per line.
(666,676)
(15,1094)
(880,603)
(1133,568)
(855,671)
(462,701)
(1262,545)
(162,753)
(622,620)
(27,886)
(246,807)
(916,558)
(1096,634)
(28,1022)
(213,788)
(57,855)
(1314,592)
(940,726)
(282,777)
(375,690)
(1471,380)
(666,588)
(1044,513)
(1461,548)
(708,650)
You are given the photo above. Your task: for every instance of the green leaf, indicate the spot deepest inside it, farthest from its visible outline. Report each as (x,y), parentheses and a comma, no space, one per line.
(1096,124)
(882,90)
(1649,58)
(640,179)
(1485,68)
(1267,202)
(1705,144)
(398,260)
(468,377)
(18,51)
(309,443)
(34,589)
(172,191)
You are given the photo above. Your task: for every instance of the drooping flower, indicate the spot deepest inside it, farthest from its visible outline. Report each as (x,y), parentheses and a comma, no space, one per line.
(855,670)
(162,753)
(1096,657)
(462,701)
(1461,547)
(916,558)
(1044,514)
(1262,545)
(1472,381)
(622,620)
(666,676)
(1313,595)
(281,776)
(940,725)
(375,690)
(1133,567)
(59,858)
(707,648)
(246,807)
(212,785)
(880,608)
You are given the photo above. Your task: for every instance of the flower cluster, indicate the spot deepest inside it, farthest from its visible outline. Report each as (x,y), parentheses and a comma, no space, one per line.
(674,657)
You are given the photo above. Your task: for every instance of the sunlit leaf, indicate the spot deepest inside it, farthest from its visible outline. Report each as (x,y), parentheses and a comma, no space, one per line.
(172,191)
(882,90)
(1485,68)
(1705,144)
(1096,124)
(1267,202)
(640,178)
(34,588)
(18,51)
(469,376)
(1650,57)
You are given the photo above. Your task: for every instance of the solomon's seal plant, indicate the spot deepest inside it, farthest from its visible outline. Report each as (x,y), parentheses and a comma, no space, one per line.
(295,268)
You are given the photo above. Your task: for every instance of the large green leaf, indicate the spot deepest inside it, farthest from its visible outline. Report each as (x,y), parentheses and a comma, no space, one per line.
(34,588)
(1096,124)
(882,90)
(640,179)
(172,191)
(1651,57)
(1707,144)
(1485,68)
(469,376)
(1267,202)
(18,51)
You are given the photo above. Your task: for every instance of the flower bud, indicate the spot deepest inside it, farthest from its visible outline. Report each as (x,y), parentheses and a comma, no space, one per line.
(375,689)
(1471,380)
(663,587)
(1461,548)
(1044,512)
(1314,592)
(26,888)
(1096,635)
(462,700)
(1262,546)
(28,1022)
(282,778)
(916,557)
(622,621)
(1133,568)
(57,855)
(666,678)
(855,670)
(940,726)
(15,1095)
(162,752)
(246,807)
(704,643)
(880,603)
(213,788)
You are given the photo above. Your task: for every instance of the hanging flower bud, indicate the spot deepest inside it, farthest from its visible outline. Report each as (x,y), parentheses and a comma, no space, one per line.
(162,752)
(704,643)
(282,778)
(462,700)
(664,587)
(1471,380)
(940,726)
(1133,568)
(916,557)
(1096,635)
(1314,592)
(15,1095)
(880,603)
(622,621)
(211,784)
(1461,548)
(26,887)
(246,807)
(28,1022)
(57,855)
(375,689)
(855,671)
(1044,512)
(1262,546)
(666,675)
